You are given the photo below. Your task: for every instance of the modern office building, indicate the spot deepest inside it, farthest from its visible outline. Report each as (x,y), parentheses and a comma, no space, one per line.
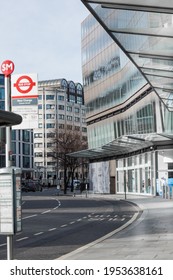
(60,107)
(127,62)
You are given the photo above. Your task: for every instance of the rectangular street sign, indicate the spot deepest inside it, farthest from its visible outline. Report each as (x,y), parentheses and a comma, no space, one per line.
(10,200)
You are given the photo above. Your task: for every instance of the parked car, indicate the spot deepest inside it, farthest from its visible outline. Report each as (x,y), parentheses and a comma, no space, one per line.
(31,186)
(76,184)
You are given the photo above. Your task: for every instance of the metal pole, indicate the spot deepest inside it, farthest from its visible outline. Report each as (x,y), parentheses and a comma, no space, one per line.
(8,154)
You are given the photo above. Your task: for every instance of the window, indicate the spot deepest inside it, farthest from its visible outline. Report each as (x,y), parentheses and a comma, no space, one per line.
(69,108)
(79,89)
(72,87)
(26,149)
(40,106)
(50,154)
(38,145)
(50,116)
(26,162)
(77,110)
(38,154)
(61,107)
(50,125)
(25,135)
(51,163)
(2,93)
(84,129)
(38,135)
(40,125)
(72,98)
(83,111)
(60,97)
(38,164)
(40,97)
(61,126)
(2,105)
(79,100)
(50,106)
(61,117)
(50,145)
(69,118)
(50,97)
(50,135)
(77,119)
(69,127)
(13,134)
(77,128)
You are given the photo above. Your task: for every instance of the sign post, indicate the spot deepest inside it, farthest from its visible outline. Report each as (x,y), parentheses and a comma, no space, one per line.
(24,94)
(7,68)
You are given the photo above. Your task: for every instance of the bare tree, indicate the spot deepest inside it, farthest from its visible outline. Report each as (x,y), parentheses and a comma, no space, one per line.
(65,142)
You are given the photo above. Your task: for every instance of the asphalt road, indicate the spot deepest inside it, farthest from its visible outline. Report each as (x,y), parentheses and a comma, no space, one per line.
(56,225)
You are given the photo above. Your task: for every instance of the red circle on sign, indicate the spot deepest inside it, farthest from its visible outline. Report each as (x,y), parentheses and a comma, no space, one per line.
(28,83)
(7,67)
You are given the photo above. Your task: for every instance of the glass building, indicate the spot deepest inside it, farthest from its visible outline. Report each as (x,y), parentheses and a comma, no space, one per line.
(127,72)
(22,142)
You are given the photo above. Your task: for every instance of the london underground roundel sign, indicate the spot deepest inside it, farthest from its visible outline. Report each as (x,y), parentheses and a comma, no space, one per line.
(24,84)
(7,67)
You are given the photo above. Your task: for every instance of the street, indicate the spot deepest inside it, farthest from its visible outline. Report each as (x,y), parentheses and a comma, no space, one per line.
(56,225)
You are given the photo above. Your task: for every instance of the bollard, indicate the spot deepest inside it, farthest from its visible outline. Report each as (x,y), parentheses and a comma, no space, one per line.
(86,188)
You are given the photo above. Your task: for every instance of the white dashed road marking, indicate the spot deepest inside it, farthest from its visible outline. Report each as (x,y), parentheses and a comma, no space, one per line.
(51,229)
(21,239)
(38,233)
(29,217)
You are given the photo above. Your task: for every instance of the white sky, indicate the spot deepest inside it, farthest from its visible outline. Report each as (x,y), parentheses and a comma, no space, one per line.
(43,36)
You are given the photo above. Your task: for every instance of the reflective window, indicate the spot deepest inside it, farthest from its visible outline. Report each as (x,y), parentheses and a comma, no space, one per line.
(72,87)
(50,97)
(61,97)
(50,125)
(72,98)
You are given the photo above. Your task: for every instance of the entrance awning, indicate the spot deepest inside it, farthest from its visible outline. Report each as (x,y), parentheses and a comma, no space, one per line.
(125,146)
(143,30)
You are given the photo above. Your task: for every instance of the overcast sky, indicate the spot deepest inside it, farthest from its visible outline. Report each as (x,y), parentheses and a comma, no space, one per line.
(43,36)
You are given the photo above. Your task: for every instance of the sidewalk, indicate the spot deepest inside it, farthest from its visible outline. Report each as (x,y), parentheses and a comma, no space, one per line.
(148,238)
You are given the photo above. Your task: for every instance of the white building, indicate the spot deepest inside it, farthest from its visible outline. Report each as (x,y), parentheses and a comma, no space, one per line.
(60,104)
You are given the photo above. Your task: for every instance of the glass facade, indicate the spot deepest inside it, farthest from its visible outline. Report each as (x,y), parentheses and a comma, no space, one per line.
(144,32)
(22,142)
(127,74)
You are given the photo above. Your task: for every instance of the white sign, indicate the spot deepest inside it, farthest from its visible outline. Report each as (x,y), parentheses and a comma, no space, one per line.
(24,93)
(7,67)
(10,200)
(24,86)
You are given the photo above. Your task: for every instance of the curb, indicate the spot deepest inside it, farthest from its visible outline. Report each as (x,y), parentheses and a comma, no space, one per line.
(68,255)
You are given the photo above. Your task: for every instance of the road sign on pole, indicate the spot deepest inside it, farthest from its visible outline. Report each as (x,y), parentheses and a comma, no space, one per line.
(24,94)
(7,67)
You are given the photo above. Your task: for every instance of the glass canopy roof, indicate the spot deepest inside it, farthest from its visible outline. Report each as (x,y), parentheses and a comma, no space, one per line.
(123,145)
(144,31)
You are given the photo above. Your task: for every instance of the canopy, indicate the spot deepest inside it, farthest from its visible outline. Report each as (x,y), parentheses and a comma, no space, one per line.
(9,118)
(126,146)
(143,30)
